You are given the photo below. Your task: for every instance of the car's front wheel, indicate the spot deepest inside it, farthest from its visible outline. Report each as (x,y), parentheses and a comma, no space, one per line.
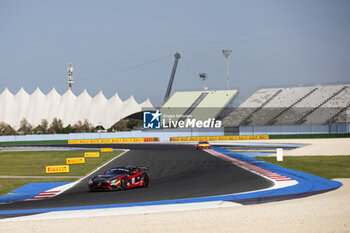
(122,184)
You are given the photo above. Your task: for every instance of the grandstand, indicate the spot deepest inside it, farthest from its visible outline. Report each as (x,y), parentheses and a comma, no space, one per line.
(313,105)
(200,105)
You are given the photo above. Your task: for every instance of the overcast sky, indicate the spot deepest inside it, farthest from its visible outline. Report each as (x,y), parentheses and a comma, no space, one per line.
(128,46)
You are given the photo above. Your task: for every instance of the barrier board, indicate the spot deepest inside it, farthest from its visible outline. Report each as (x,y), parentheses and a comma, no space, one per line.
(92,154)
(112,140)
(57,169)
(75,160)
(106,149)
(220,138)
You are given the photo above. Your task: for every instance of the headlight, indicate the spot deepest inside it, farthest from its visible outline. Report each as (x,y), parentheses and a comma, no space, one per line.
(90,181)
(115,181)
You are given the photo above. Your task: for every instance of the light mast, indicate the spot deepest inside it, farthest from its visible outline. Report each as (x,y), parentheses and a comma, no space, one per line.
(70,75)
(227,53)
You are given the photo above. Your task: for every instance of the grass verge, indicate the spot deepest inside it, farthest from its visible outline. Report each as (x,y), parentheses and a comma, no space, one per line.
(33,163)
(329,167)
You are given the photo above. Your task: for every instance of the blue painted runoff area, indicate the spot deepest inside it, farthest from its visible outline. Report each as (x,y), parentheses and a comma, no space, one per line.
(29,191)
(307,184)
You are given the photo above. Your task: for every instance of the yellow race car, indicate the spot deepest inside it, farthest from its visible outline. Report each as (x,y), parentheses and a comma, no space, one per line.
(203,145)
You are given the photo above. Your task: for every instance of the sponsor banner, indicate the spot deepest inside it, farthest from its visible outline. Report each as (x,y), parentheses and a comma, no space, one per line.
(106,149)
(112,140)
(57,169)
(92,154)
(220,138)
(75,160)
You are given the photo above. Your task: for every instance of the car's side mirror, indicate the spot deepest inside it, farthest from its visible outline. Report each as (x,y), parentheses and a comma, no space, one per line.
(104,172)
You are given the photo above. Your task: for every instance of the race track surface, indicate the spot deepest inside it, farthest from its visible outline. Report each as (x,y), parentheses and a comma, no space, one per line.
(176,171)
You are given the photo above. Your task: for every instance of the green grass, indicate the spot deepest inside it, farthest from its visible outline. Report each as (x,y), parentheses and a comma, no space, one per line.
(43,142)
(329,167)
(33,163)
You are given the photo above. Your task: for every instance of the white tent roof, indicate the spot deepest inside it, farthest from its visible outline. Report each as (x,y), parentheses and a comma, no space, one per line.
(69,108)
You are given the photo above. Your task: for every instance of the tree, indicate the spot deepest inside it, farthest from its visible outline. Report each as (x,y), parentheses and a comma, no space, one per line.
(85,127)
(25,127)
(6,129)
(125,125)
(44,125)
(119,126)
(133,123)
(56,126)
(68,129)
(42,128)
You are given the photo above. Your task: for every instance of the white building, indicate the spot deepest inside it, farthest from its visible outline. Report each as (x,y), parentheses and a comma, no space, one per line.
(98,110)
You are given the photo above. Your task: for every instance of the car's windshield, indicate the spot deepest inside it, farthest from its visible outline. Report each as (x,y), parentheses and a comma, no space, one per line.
(117,171)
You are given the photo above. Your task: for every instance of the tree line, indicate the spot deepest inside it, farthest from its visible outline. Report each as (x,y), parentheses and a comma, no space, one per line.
(56,127)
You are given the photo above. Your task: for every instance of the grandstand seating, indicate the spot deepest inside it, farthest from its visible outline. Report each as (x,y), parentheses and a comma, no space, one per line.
(213,104)
(335,105)
(299,112)
(286,99)
(254,102)
(197,104)
(290,106)
(178,103)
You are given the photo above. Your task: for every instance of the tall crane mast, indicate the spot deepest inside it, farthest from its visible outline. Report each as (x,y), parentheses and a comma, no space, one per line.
(171,80)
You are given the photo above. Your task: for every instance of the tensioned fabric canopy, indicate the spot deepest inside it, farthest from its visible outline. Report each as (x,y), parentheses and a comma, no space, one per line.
(98,110)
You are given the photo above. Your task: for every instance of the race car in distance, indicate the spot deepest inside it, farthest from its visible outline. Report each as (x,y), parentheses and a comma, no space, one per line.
(203,145)
(119,178)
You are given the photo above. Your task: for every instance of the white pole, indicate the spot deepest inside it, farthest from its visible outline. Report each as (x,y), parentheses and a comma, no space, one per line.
(279,154)
(227,54)
(227,74)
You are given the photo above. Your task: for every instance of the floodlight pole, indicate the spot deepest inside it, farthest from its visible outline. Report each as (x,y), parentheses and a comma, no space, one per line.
(227,54)
(70,75)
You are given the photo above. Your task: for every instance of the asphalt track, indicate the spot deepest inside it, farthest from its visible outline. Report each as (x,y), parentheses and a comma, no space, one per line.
(176,171)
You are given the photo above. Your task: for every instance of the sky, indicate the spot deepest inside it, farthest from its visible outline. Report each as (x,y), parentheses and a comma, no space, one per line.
(128,47)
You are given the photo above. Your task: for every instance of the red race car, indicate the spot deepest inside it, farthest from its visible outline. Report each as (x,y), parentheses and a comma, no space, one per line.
(203,145)
(119,178)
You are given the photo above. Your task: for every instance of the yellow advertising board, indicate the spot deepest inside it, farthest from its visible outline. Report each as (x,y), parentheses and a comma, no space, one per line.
(220,138)
(75,160)
(92,154)
(112,140)
(57,169)
(106,149)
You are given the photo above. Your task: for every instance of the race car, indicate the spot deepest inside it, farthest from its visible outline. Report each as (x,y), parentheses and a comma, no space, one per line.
(203,145)
(120,178)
